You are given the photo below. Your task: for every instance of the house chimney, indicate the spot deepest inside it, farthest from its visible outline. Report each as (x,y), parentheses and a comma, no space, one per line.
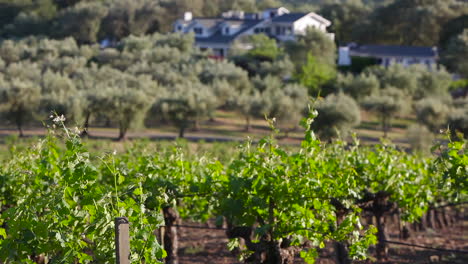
(188,16)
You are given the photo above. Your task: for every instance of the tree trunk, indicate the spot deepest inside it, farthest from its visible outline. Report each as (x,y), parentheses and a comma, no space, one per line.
(430,219)
(423,223)
(196,125)
(341,248)
(122,133)
(247,124)
(342,256)
(181,131)
(85,132)
(441,218)
(405,232)
(265,251)
(381,247)
(19,123)
(171,242)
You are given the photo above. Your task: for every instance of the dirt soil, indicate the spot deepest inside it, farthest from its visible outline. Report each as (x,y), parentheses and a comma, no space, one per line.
(200,246)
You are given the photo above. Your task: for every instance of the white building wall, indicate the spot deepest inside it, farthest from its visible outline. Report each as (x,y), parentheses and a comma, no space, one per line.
(343,56)
(301,25)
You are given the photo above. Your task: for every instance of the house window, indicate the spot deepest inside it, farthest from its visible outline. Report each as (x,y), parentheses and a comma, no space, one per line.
(267,30)
(227,31)
(198,31)
(278,30)
(260,30)
(288,30)
(179,28)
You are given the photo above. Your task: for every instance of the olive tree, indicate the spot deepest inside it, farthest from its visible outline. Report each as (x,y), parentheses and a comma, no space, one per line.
(432,112)
(226,79)
(313,42)
(386,104)
(12,51)
(337,114)
(458,119)
(116,95)
(18,100)
(397,76)
(454,56)
(251,104)
(358,86)
(314,74)
(82,21)
(187,104)
(433,83)
(128,99)
(59,95)
(420,138)
(125,17)
(20,92)
(288,105)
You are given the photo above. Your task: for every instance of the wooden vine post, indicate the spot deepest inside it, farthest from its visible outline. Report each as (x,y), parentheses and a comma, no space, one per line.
(122,240)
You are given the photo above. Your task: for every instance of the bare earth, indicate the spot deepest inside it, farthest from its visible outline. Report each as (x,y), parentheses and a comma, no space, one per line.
(200,246)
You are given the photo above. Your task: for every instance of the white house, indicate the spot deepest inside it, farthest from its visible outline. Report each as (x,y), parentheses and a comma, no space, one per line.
(219,33)
(388,55)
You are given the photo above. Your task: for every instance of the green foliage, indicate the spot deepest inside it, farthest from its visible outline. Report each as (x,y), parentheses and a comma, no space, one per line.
(397,76)
(264,178)
(337,115)
(59,210)
(420,138)
(432,113)
(57,93)
(419,22)
(458,121)
(315,74)
(345,17)
(452,28)
(263,47)
(386,104)
(60,202)
(288,105)
(187,104)
(433,83)
(127,17)
(313,42)
(81,21)
(359,64)
(457,49)
(20,92)
(358,86)
(128,99)
(260,55)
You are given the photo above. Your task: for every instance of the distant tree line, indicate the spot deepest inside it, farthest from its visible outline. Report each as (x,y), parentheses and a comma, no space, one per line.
(158,77)
(399,22)
(50,60)
(162,79)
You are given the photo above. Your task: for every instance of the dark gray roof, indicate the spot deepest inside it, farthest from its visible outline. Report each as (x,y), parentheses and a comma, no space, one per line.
(394,51)
(208,22)
(291,17)
(218,37)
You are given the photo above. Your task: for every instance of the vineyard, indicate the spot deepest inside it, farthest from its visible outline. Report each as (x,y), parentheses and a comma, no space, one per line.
(59,201)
